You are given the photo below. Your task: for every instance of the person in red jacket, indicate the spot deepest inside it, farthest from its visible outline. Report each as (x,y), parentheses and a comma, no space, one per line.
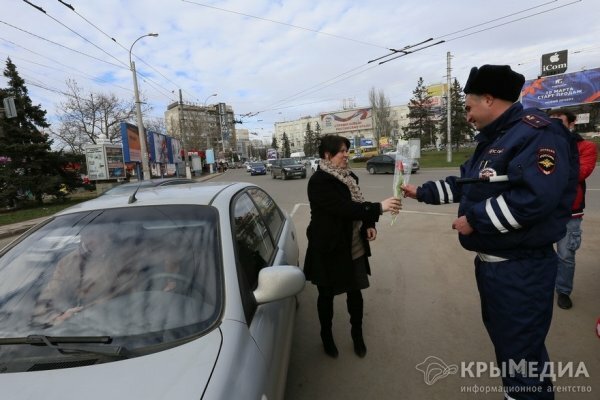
(567,246)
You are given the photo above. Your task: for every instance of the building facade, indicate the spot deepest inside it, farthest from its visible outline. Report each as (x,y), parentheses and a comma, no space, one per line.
(355,124)
(202,127)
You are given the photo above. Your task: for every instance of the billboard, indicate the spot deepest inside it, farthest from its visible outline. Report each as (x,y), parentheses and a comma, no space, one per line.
(554,63)
(159,151)
(562,90)
(346,121)
(130,137)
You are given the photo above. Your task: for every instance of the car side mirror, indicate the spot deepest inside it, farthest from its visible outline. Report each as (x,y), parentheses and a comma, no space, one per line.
(278,282)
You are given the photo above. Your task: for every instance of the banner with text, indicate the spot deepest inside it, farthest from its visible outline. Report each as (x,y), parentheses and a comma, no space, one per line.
(562,90)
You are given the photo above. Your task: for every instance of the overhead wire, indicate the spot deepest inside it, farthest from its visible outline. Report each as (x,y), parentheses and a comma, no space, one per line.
(286,24)
(122,46)
(75,32)
(407,49)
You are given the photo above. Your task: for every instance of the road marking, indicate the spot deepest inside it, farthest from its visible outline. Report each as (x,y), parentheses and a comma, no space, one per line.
(296,206)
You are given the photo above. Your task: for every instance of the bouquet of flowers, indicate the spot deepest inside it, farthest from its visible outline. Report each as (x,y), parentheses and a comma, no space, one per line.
(405,154)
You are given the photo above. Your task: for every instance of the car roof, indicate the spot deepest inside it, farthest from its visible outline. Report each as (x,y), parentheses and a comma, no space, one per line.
(131,186)
(198,193)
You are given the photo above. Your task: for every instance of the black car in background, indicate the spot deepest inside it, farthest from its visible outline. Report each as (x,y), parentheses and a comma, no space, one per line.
(286,168)
(384,164)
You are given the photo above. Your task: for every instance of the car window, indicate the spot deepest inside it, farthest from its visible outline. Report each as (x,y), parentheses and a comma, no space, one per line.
(269,211)
(288,161)
(252,240)
(142,275)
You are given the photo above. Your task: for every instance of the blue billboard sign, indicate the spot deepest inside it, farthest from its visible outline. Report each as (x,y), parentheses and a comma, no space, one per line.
(562,90)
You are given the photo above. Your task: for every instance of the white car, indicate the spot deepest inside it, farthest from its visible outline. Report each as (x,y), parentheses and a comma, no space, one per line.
(193,298)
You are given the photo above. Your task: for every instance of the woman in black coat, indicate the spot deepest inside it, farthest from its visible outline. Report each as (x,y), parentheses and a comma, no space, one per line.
(341,226)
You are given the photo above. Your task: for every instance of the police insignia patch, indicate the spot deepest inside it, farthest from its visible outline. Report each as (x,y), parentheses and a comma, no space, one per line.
(535,120)
(546,160)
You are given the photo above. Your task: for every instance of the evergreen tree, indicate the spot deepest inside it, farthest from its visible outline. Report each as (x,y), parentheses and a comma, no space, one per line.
(422,124)
(274,143)
(309,141)
(461,130)
(317,136)
(29,169)
(285,145)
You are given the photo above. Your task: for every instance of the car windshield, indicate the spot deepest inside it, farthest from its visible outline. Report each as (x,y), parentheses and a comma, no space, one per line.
(257,165)
(288,161)
(141,275)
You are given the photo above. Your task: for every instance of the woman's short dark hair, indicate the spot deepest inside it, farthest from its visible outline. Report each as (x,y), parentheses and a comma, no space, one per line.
(332,144)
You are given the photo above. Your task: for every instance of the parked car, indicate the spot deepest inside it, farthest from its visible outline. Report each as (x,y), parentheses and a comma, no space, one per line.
(285,168)
(131,187)
(314,164)
(385,164)
(258,169)
(194,298)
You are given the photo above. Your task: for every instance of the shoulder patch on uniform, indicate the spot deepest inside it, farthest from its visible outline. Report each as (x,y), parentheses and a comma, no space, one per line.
(546,160)
(535,120)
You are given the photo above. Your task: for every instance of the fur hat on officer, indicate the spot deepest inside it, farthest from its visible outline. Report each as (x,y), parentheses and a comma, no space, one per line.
(497,80)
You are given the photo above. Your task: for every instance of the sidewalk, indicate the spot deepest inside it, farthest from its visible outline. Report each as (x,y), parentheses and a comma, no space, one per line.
(21,227)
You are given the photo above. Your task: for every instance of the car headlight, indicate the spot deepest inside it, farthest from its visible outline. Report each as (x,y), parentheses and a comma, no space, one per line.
(287,169)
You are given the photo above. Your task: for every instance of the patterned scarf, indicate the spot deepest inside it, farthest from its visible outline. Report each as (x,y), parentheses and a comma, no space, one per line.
(343,175)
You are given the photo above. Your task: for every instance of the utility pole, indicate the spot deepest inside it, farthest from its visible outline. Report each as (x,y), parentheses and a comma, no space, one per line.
(449,108)
(181,134)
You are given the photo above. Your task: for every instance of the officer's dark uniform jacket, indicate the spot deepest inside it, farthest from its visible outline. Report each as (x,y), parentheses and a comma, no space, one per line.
(524,216)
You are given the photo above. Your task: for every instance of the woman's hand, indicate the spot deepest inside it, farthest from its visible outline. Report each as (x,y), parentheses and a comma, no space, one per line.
(391,204)
(371,234)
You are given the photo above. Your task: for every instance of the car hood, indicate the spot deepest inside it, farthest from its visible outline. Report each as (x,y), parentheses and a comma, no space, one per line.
(180,373)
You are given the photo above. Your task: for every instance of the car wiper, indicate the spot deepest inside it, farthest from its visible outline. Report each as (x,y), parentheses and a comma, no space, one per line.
(72,344)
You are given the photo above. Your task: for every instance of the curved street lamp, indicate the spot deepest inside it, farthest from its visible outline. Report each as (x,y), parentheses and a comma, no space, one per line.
(205,100)
(138,109)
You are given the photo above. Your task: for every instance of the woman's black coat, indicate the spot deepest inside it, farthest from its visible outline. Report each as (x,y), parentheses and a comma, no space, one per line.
(328,260)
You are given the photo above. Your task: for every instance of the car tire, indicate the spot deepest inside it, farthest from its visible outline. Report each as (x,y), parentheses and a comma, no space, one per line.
(304,176)
(284,176)
(372,170)
(273,175)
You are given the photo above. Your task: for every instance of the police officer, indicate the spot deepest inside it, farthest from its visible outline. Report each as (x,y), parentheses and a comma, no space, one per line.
(522,177)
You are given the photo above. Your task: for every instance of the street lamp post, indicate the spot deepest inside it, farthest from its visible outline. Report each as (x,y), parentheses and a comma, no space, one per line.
(138,109)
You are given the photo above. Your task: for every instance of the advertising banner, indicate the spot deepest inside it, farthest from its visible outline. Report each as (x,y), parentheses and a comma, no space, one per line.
(554,63)
(130,138)
(160,151)
(562,90)
(346,121)
(176,149)
(96,162)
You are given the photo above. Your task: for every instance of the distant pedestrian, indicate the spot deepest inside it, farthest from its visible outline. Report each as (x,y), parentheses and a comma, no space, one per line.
(513,223)
(341,225)
(568,245)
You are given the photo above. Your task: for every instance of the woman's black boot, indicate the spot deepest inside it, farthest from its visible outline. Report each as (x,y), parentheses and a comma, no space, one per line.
(359,343)
(325,309)
(328,343)
(354,301)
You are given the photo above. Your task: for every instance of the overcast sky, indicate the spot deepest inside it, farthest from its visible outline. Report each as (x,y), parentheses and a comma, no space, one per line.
(282,59)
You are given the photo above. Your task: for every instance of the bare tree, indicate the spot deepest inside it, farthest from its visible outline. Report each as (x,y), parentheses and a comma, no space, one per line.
(382,123)
(85,116)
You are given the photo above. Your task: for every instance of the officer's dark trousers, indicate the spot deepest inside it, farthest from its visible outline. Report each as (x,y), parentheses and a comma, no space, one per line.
(516,305)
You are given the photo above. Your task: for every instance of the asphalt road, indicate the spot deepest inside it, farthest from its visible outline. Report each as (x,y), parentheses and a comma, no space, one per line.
(422,303)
